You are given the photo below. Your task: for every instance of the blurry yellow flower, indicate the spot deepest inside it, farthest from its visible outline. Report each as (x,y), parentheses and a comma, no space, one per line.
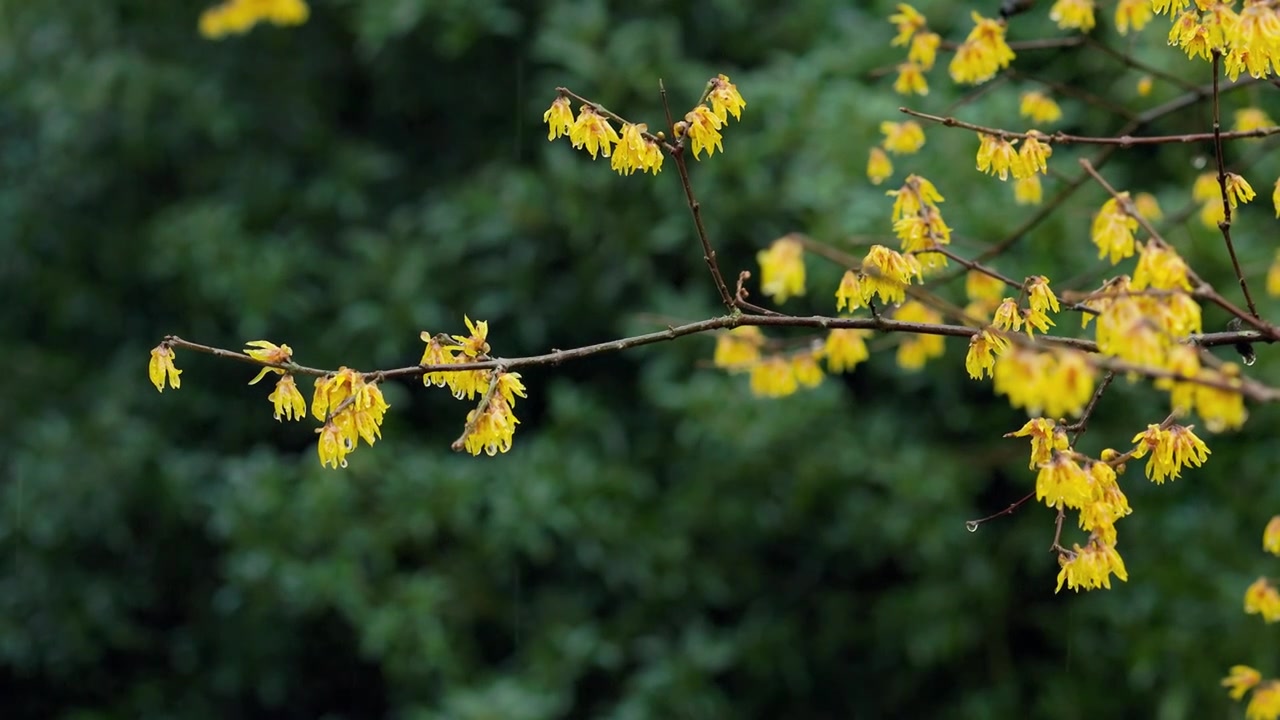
(559,118)
(982,54)
(782,269)
(1145,84)
(1147,206)
(1212,214)
(845,348)
(909,21)
(804,366)
(238,16)
(1132,14)
(902,138)
(773,378)
(1205,187)
(287,400)
(161,367)
(1160,7)
(704,130)
(1241,680)
(1251,118)
(916,350)
(1160,267)
(1221,409)
(1265,702)
(738,348)
(1073,14)
(879,168)
(849,294)
(1275,197)
(593,131)
(924,50)
(1113,231)
(1273,276)
(1027,191)
(1040,108)
(1271,536)
(910,80)
(1261,598)
(725,99)
(981,286)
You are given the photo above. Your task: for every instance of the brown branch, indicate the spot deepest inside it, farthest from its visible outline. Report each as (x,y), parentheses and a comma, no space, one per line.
(1062,138)
(1225,225)
(1079,426)
(461,443)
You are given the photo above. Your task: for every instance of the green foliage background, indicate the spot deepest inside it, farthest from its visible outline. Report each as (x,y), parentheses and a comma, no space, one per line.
(659,544)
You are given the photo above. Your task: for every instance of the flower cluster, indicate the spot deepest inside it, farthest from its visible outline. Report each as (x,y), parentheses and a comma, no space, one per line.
(983,53)
(1246,40)
(781,373)
(918,223)
(234,17)
(350,408)
(1261,598)
(922,50)
(782,269)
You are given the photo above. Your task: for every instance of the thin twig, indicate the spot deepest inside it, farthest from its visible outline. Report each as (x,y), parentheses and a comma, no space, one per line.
(1225,225)
(1062,138)
(1079,426)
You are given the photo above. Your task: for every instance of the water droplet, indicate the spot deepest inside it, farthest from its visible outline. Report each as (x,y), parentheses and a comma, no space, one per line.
(971,525)
(1250,359)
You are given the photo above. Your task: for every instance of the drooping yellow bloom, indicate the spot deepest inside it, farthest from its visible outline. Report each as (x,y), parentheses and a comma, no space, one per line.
(1193,37)
(1160,7)
(1273,276)
(981,286)
(909,22)
(1145,83)
(1265,702)
(1034,156)
(887,273)
(774,377)
(1040,108)
(1171,450)
(804,366)
(1275,197)
(1253,38)
(1238,190)
(476,344)
(1008,317)
(1062,483)
(268,352)
(1212,214)
(1271,536)
(1261,598)
(924,50)
(1041,300)
(636,152)
(915,194)
(879,167)
(983,53)
(1046,437)
(351,409)
(593,131)
(1221,409)
(845,348)
(490,427)
(996,156)
(1068,388)
(559,118)
(1205,187)
(438,352)
(1240,680)
(704,130)
(1147,206)
(916,350)
(983,349)
(725,99)
(1132,14)
(1251,118)
(910,80)
(287,399)
(738,349)
(1027,191)
(1113,230)
(782,269)
(1056,384)
(238,16)
(1073,14)
(849,294)
(333,447)
(161,368)
(902,138)
(1160,267)
(1091,567)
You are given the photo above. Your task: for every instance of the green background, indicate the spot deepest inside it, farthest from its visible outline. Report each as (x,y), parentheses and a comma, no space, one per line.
(658,544)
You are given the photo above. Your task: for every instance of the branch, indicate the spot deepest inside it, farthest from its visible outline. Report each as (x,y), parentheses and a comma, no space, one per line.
(1123,141)
(1225,225)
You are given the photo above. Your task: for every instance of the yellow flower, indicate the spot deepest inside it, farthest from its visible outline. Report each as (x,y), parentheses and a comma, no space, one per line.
(996,156)
(1091,567)
(1160,7)
(1073,14)
(773,378)
(924,49)
(1251,118)
(1273,276)
(704,130)
(982,54)
(1171,450)
(1160,267)
(636,152)
(490,428)
(1046,437)
(910,80)
(725,99)
(593,131)
(1147,206)
(1265,703)
(1271,536)
(1041,300)
(1205,187)
(1212,214)
(1069,386)
(1039,107)
(1034,155)
(1238,190)
(510,387)
(1144,85)
(1007,316)
(1275,197)
(902,138)
(1188,34)
(1221,409)
(1026,191)
(287,400)
(333,447)
(1113,230)
(238,16)
(879,168)
(915,194)
(983,349)
(782,269)
(1241,680)
(909,21)
(268,352)
(887,273)
(804,366)
(1132,13)
(161,367)
(981,286)
(559,118)
(438,352)
(916,350)
(849,294)
(845,348)
(738,348)
(1062,483)
(1261,598)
